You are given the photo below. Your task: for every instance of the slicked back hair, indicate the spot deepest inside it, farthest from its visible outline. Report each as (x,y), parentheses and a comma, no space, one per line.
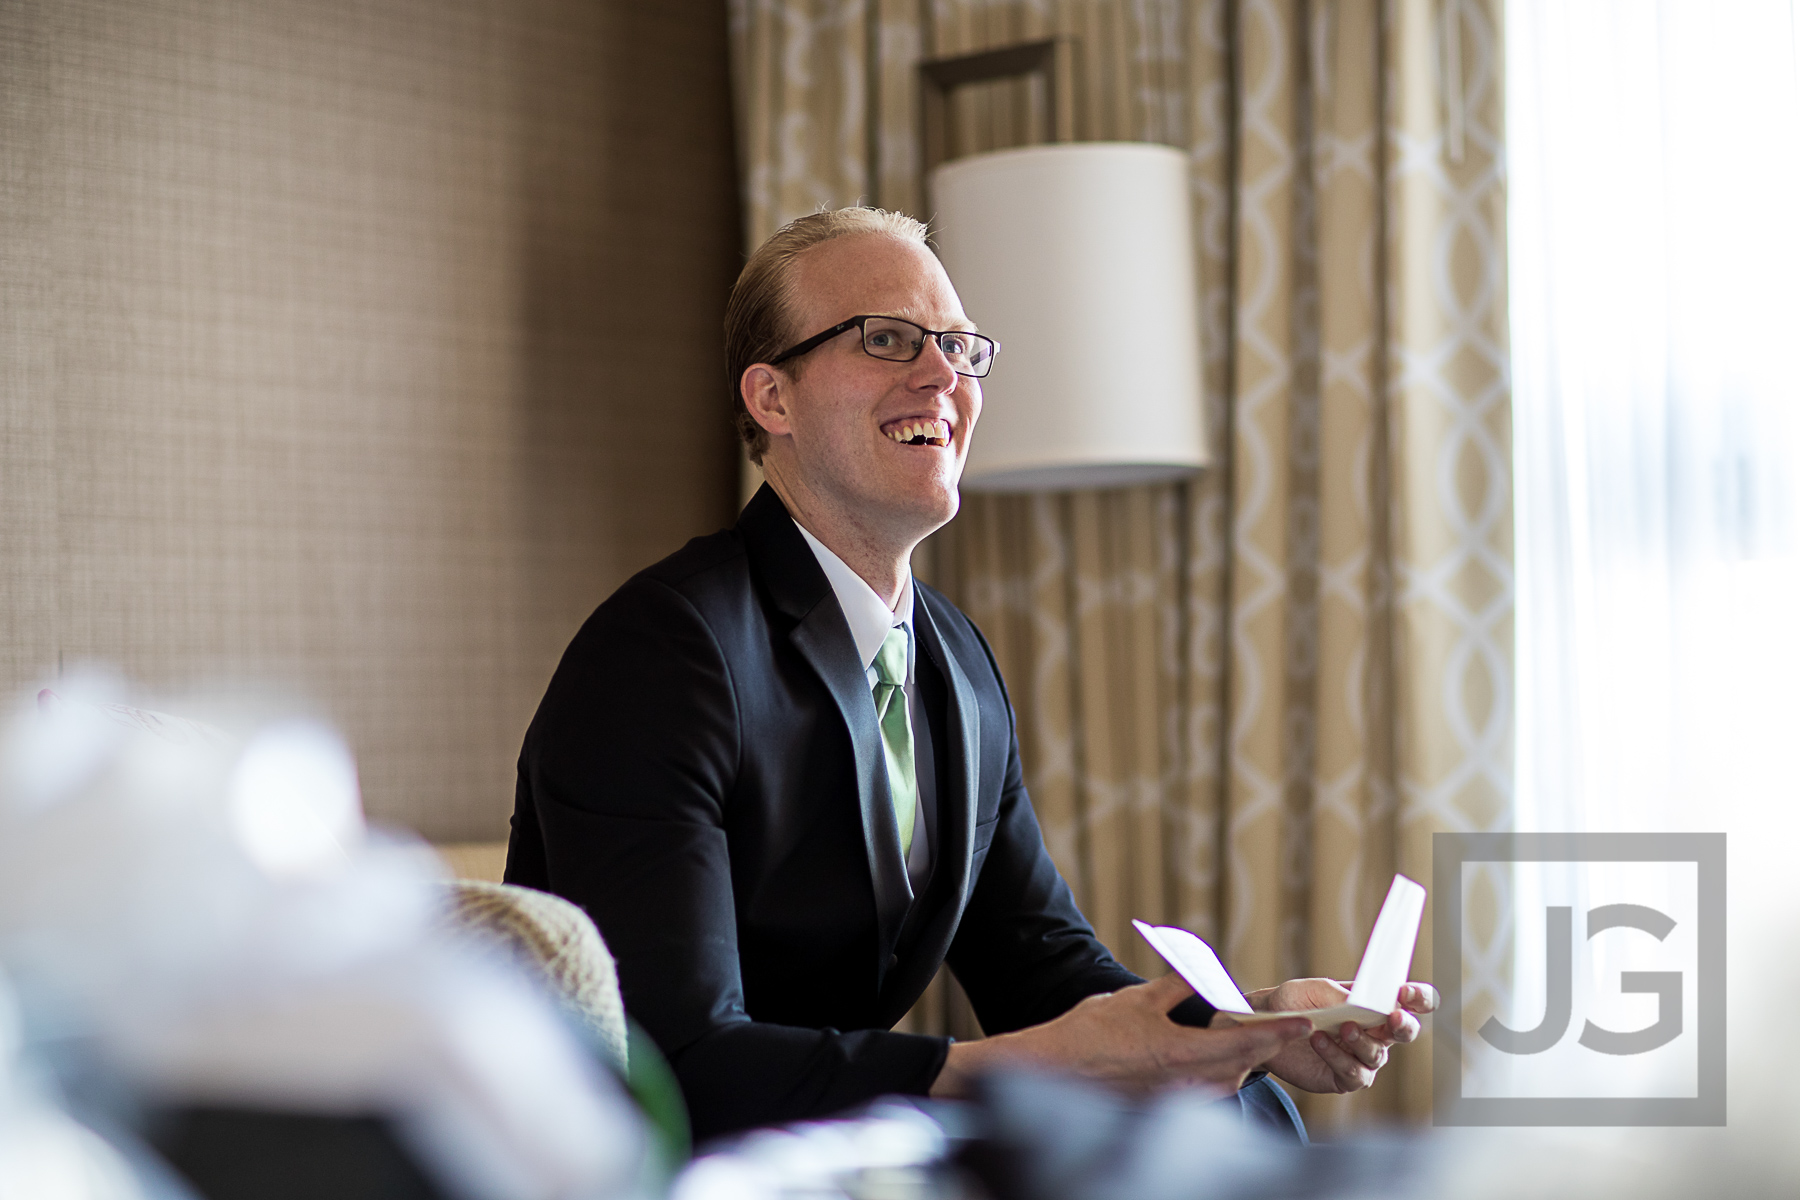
(759,318)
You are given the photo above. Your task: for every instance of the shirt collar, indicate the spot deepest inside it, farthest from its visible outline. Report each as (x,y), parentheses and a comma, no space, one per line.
(869,617)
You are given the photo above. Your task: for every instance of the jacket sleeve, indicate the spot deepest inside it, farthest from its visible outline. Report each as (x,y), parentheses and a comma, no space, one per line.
(1024,953)
(624,785)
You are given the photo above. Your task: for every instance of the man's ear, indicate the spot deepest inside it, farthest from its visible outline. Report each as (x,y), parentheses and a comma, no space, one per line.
(766,397)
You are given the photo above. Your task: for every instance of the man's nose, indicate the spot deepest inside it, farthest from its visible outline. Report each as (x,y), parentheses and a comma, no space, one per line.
(933,366)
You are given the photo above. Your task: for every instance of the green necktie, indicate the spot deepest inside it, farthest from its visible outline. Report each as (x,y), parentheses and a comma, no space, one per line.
(896,731)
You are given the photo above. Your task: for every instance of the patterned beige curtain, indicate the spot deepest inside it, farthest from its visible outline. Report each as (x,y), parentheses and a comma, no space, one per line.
(1246,700)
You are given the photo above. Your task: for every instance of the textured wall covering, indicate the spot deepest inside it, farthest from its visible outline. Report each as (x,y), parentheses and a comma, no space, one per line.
(1243,701)
(357,349)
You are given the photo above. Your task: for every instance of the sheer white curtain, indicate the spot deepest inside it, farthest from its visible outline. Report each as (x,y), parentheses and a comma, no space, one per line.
(1654,158)
(1654,195)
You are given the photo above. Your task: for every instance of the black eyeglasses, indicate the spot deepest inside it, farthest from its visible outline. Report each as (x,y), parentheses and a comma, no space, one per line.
(890,338)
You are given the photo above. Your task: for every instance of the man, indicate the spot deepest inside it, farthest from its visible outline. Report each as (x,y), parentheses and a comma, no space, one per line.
(782,775)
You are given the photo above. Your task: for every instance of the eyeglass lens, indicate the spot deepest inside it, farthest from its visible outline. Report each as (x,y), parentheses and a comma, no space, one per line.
(902,341)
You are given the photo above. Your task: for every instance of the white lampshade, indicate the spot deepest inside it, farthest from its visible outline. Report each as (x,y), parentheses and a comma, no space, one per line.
(1079,258)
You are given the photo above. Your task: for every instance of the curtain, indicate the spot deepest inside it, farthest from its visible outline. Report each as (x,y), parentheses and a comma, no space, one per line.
(1655,167)
(1244,701)
(1656,172)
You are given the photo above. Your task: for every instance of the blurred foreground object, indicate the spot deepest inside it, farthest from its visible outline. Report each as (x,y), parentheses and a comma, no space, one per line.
(1028,1136)
(555,940)
(1036,1137)
(44,1154)
(210,918)
(894,1150)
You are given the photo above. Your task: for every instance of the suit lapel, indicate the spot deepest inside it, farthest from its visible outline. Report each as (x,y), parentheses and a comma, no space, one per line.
(785,565)
(949,889)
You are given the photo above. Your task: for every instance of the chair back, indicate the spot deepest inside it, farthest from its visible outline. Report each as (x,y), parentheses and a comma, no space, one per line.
(555,938)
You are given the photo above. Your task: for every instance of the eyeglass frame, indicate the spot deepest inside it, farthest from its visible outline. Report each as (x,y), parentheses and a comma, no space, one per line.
(856,322)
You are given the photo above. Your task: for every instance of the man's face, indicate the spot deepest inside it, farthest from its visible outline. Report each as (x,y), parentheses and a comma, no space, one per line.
(849,416)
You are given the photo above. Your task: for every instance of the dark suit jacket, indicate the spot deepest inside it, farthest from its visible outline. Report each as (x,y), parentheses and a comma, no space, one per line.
(705,778)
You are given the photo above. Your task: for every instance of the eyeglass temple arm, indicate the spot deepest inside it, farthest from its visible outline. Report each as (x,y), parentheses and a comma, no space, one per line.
(819,339)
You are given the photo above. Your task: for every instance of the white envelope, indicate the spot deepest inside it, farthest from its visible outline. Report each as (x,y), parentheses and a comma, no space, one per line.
(1378,977)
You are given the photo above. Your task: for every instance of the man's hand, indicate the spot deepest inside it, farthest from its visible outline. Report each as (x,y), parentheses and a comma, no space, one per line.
(1348,1060)
(1125,1039)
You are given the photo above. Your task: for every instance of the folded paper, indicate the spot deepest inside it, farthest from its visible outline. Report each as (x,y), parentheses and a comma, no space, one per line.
(1379,977)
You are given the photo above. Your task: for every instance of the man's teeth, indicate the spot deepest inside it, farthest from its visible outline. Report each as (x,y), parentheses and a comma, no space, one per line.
(921,433)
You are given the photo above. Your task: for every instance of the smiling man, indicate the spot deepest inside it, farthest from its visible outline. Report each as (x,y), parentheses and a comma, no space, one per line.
(782,775)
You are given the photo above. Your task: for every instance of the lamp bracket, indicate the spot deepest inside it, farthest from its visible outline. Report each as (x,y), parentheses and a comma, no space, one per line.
(1053,58)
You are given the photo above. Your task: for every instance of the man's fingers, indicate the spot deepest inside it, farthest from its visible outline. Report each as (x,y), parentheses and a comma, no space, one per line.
(1402,1026)
(1265,1039)
(1366,1049)
(1352,1073)
(1244,1047)
(1223,1056)
(1419,998)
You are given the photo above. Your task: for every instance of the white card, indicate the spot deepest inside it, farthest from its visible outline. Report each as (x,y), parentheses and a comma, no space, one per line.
(1373,995)
(1195,961)
(1382,971)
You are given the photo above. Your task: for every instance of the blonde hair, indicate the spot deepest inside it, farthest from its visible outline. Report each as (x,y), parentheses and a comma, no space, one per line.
(759,319)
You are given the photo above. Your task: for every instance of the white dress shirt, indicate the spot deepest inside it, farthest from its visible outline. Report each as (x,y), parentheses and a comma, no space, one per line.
(870,619)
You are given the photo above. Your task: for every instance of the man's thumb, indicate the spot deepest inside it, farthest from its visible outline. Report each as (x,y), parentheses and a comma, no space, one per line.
(1167,991)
